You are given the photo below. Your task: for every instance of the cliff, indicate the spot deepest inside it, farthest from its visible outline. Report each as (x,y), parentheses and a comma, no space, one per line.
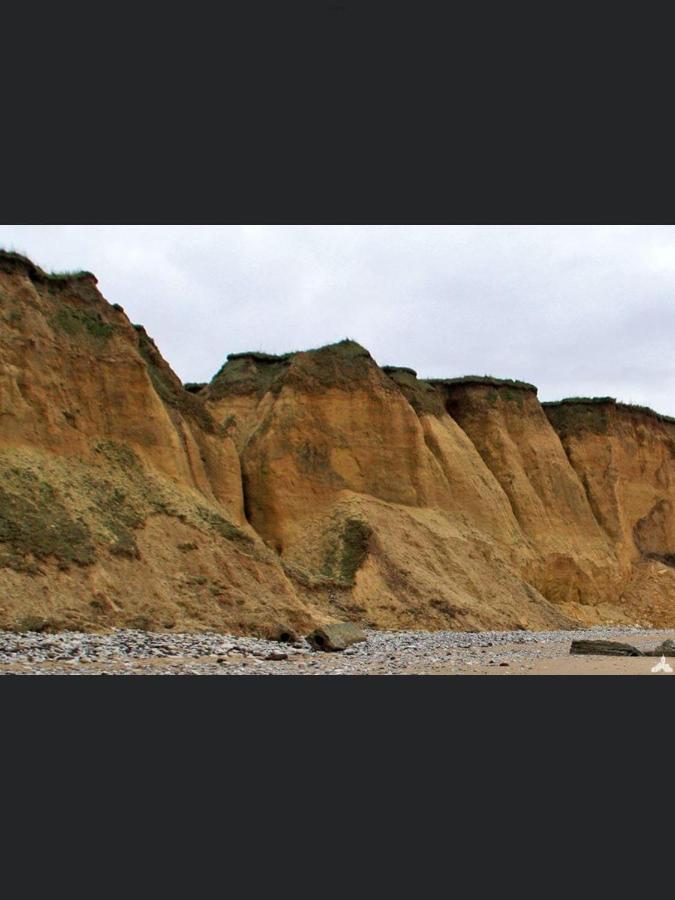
(120,499)
(298,489)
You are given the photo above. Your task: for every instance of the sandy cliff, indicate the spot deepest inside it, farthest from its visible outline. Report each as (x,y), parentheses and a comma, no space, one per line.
(307,487)
(625,458)
(120,499)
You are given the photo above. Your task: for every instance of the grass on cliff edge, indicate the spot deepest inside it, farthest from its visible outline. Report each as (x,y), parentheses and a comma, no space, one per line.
(423,396)
(593,412)
(333,365)
(339,365)
(485,379)
(10,261)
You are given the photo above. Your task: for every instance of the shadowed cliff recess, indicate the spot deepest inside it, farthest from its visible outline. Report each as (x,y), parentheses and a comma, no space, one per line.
(307,488)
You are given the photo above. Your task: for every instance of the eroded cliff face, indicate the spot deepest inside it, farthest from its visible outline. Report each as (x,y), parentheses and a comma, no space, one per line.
(625,458)
(360,481)
(120,499)
(573,562)
(299,489)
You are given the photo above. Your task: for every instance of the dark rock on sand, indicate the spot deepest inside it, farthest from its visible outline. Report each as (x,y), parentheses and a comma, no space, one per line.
(667,648)
(604,648)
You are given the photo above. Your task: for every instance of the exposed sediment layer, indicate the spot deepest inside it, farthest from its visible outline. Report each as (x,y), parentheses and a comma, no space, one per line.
(310,487)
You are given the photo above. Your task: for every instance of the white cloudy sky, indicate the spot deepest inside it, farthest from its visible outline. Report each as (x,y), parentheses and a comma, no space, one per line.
(578,310)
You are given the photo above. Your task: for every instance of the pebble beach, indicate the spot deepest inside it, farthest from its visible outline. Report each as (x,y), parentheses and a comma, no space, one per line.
(129,652)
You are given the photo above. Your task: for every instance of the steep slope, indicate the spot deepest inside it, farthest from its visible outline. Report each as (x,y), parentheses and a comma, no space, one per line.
(574,563)
(357,474)
(625,458)
(299,489)
(120,499)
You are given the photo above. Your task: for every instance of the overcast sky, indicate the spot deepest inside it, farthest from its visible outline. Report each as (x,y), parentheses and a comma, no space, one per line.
(577,310)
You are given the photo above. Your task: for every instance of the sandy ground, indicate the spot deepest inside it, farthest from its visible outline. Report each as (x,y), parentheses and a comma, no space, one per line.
(565,665)
(554,658)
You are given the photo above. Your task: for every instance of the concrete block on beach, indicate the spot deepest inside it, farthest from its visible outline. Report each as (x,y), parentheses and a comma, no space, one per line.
(336,637)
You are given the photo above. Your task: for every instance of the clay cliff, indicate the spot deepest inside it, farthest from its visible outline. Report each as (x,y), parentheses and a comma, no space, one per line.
(299,489)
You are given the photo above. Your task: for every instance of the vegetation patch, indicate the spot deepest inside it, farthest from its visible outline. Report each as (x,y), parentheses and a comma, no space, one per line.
(75,322)
(224,528)
(447,609)
(586,412)
(581,401)
(169,387)
(121,508)
(247,373)
(119,515)
(120,455)
(259,357)
(459,402)
(395,370)
(11,262)
(341,365)
(34,524)
(468,380)
(335,365)
(355,541)
(423,396)
(125,545)
(35,624)
(15,317)
(579,414)
(645,411)
(69,275)
(345,556)
(72,513)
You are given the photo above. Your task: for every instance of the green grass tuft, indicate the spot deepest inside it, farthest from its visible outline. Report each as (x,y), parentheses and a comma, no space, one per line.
(345,556)
(595,414)
(335,365)
(11,261)
(469,380)
(75,322)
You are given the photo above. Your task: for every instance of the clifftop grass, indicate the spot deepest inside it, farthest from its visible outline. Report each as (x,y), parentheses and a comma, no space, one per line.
(259,357)
(335,365)
(459,396)
(395,370)
(423,396)
(596,414)
(341,365)
(246,373)
(490,380)
(10,261)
